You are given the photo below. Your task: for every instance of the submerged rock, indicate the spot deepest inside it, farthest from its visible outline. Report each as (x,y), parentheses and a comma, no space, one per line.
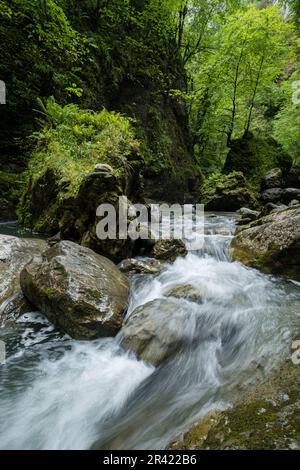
(187,292)
(154,331)
(168,250)
(78,290)
(272,243)
(15,253)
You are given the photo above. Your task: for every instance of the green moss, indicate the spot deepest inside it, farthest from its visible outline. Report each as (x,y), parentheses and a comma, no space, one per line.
(227,192)
(254,156)
(68,147)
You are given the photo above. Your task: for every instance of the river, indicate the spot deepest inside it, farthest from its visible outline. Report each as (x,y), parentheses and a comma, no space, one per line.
(58,393)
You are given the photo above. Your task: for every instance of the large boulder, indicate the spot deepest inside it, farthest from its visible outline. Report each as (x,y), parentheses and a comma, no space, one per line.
(271,243)
(78,290)
(15,253)
(154,331)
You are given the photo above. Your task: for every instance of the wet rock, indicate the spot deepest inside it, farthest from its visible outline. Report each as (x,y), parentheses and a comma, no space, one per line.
(246,213)
(14,306)
(272,243)
(270,207)
(154,331)
(288,194)
(168,250)
(148,266)
(15,253)
(78,290)
(273,179)
(187,292)
(272,195)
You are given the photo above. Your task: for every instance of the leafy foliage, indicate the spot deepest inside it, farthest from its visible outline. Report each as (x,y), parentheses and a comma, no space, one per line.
(72,141)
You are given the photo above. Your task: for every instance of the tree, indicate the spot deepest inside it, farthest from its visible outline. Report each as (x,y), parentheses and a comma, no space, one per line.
(251,51)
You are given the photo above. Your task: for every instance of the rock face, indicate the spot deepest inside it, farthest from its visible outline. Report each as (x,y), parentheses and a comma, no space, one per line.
(271,243)
(79,291)
(15,253)
(152,335)
(168,250)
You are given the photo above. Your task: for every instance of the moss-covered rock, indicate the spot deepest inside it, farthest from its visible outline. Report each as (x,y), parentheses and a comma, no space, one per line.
(254,156)
(271,243)
(267,418)
(227,192)
(81,292)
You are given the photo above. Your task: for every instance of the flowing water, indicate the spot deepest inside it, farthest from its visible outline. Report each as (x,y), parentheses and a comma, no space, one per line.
(58,393)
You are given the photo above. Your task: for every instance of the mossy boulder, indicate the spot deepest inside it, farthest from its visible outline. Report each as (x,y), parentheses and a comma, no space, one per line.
(267,418)
(79,291)
(271,243)
(254,156)
(228,192)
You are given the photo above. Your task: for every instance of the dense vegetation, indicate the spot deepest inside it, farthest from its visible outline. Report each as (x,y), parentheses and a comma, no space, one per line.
(193,80)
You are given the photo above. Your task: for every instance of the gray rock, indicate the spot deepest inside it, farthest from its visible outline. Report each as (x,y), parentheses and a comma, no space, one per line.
(272,195)
(272,243)
(289,194)
(246,213)
(268,208)
(154,331)
(273,179)
(168,250)
(132,265)
(78,290)
(293,203)
(15,253)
